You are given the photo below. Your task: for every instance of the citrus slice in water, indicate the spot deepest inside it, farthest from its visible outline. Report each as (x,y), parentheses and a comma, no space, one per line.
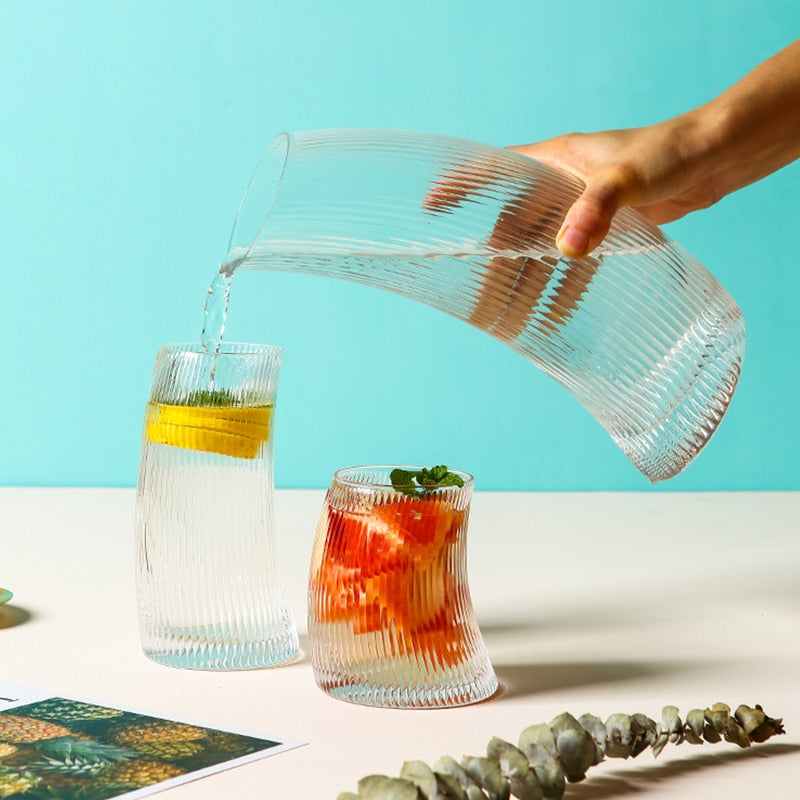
(238,431)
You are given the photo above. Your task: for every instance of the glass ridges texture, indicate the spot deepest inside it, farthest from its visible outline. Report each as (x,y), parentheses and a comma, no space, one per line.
(210,590)
(391,621)
(639,332)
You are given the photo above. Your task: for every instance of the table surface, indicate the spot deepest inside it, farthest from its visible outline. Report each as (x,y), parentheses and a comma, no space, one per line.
(588,602)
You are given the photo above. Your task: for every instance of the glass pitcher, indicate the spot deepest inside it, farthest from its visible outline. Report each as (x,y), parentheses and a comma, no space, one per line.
(639,332)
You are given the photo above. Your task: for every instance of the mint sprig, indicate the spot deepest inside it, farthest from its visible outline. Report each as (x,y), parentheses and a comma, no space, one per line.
(209,398)
(418,483)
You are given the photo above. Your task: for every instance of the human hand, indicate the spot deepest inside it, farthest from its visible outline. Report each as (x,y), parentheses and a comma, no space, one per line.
(657,170)
(523,274)
(652,169)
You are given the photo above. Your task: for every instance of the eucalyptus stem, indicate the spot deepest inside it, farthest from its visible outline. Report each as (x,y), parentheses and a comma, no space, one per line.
(548,756)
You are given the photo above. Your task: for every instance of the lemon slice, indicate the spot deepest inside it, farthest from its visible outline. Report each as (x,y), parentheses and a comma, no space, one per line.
(238,431)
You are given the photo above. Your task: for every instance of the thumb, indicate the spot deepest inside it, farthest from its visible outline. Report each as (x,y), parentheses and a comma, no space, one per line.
(588,220)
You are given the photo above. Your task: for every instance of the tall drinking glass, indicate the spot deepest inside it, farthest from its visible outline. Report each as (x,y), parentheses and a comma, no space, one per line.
(210,590)
(645,338)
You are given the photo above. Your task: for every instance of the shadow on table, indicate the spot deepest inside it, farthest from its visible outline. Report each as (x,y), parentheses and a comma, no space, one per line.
(637,779)
(518,680)
(11,616)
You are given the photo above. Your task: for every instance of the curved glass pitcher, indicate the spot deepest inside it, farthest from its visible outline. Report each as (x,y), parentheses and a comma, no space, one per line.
(639,332)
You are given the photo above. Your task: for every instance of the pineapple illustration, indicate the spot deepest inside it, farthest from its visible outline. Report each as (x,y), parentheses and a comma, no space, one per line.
(157,731)
(136,774)
(168,750)
(16,729)
(7,749)
(59,709)
(13,782)
(78,757)
(235,744)
(229,742)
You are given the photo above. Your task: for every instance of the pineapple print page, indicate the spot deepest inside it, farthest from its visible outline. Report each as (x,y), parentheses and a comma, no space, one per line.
(63,749)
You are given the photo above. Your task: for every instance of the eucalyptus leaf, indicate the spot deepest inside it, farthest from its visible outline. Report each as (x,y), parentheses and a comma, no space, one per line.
(548,755)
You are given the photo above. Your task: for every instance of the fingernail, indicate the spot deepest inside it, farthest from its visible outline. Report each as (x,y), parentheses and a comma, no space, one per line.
(572,243)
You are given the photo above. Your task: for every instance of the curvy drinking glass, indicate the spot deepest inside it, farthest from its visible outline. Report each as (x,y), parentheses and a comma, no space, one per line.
(639,332)
(390,620)
(210,590)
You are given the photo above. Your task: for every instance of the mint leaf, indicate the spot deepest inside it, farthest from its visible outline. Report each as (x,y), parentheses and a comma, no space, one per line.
(210,397)
(451,479)
(433,475)
(403,481)
(417,483)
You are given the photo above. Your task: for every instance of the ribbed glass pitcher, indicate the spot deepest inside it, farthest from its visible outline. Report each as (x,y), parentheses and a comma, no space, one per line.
(639,332)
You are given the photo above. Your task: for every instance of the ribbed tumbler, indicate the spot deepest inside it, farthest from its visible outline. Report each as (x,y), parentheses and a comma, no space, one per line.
(639,332)
(391,621)
(210,589)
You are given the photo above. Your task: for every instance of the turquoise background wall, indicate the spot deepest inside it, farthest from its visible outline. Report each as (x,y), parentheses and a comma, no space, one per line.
(127,136)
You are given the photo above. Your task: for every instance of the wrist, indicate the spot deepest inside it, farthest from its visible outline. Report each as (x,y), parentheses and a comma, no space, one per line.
(703,138)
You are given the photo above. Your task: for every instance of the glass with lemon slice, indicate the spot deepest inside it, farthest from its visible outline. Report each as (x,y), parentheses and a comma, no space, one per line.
(210,590)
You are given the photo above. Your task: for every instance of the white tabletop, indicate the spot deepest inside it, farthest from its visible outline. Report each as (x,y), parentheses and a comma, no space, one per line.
(596,603)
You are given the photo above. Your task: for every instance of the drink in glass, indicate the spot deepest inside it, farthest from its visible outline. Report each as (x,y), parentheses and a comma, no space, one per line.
(211,594)
(391,621)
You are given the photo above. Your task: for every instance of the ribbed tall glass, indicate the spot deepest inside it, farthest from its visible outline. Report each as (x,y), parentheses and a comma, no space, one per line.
(639,332)
(210,589)
(391,621)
